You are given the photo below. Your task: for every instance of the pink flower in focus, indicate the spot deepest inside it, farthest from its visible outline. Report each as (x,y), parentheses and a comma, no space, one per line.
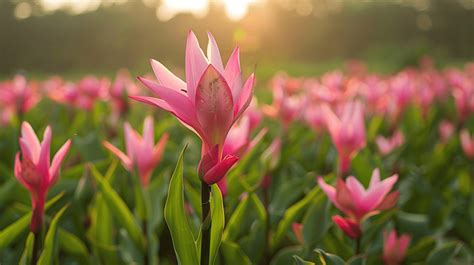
(467,143)
(34,170)
(395,247)
(358,203)
(387,145)
(141,153)
(347,131)
(210,101)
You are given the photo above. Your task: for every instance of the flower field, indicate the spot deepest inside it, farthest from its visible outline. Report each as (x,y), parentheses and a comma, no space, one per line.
(211,165)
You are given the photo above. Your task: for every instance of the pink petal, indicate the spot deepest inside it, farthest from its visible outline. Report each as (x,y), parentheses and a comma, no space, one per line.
(214,106)
(232,70)
(166,77)
(57,160)
(329,190)
(245,97)
(356,189)
(127,163)
(160,147)
(403,243)
(180,105)
(213,54)
(18,173)
(375,179)
(148,132)
(219,171)
(350,228)
(332,123)
(196,63)
(131,143)
(222,186)
(43,161)
(31,140)
(376,194)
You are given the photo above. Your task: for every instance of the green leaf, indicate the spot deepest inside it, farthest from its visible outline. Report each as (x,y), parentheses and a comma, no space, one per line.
(233,254)
(328,259)
(73,245)
(49,248)
(11,233)
(292,214)
(300,261)
(28,251)
(420,251)
(444,254)
(357,260)
(177,220)
(233,228)
(316,221)
(286,255)
(218,220)
(119,209)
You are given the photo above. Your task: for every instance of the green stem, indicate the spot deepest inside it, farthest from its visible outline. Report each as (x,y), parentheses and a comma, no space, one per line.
(266,201)
(357,245)
(36,247)
(206,223)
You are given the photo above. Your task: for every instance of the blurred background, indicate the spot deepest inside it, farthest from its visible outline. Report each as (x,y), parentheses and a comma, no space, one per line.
(76,37)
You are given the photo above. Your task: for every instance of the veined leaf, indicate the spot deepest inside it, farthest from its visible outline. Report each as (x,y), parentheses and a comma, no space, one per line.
(176,219)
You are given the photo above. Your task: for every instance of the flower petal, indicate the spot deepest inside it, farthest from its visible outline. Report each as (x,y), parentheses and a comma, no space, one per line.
(232,70)
(196,63)
(166,77)
(43,161)
(127,163)
(213,54)
(214,106)
(148,132)
(219,171)
(245,97)
(31,140)
(57,160)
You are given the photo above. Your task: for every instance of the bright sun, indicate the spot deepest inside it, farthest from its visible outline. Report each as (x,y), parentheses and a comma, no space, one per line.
(235,9)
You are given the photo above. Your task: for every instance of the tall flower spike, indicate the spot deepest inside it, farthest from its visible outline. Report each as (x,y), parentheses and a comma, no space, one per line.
(211,99)
(141,152)
(35,171)
(347,131)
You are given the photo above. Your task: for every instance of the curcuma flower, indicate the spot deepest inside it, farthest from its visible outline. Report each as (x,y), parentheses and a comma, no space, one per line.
(358,203)
(347,131)
(395,248)
(141,153)
(209,102)
(34,170)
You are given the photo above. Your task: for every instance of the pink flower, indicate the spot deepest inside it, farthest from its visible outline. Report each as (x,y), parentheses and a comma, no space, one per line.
(394,249)
(467,143)
(298,231)
(141,153)
(446,130)
(347,131)
(357,202)
(286,107)
(19,95)
(348,226)
(210,101)
(34,170)
(387,145)
(119,91)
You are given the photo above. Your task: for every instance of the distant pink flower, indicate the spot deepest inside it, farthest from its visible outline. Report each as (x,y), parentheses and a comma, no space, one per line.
(34,170)
(358,203)
(82,94)
(119,90)
(347,131)
(19,95)
(387,145)
(446,130)
(298,231)
(314,117)
(141,153)
(467,143)
(210,101)
(286,107)
(394,249)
